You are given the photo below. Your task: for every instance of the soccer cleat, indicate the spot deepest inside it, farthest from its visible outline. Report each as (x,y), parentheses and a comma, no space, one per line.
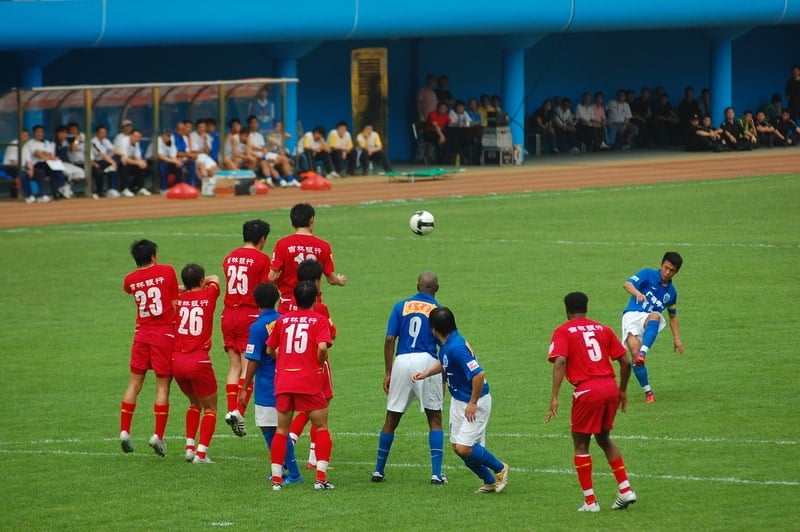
(323,485)
(649,397)
(333,175)
(236,422)
(501,478)
(593,508)
(293,480)
(30,199)
(486,488)
(277,486)
(125,442)
(378,477)
(436,481)
(638,360)
(624,500)
(189,455)
(205,460)
(158,446)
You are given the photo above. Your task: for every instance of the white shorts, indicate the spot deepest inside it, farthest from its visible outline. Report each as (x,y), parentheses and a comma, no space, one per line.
(402,391)
(463,432)
(270,156)
(633,323)
(206,161)
(266,416)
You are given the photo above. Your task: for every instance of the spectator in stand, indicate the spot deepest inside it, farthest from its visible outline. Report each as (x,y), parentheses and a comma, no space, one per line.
(167,160)
(342,150)
(276,140)
(564,125)
(484,109)
(704,104)
(666,121)
(701,137)
(435,126)
(369,144)
(793,93)
(642,117)
(600,116)
(788,128)
(185,153)
(233,153)
(274,166)
(588,128)
(211,130)
(749,128)
(621,130)
(773,109)
(264,111)
(63,148)
(317,150)
(103,163)
(733,133)
(44,168)
(460,135)
(473,111)
(11,164)
(767,134)
(426,98)
(200,144)
(541,123)
(132,166)
(443,94)
(688,107)
(77,146)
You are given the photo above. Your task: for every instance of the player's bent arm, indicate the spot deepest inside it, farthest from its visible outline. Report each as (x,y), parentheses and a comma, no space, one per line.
(632,290)
(273,275)
(676,333)
(211,279)
(433,370)
(322,352)
(272,352)
(250,371)
(336,279)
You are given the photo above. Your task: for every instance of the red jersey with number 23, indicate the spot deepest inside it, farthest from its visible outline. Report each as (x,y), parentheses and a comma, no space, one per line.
(291,250)
(245,268)
(196,319)
(589,348)
(155,290)
(296,337)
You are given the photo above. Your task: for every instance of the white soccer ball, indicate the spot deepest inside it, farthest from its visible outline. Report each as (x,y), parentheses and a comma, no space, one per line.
(421,223)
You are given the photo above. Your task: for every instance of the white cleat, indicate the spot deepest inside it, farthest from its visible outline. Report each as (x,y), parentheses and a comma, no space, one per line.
(189,455)
(236,421)
(125,442)
(44,199)
(158,446)
(592,508)
(624,500)
(318,485)
(501,478)
(198,460)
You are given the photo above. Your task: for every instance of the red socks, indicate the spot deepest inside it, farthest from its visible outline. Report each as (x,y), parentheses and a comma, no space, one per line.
(583,466)
(231,394)
(192,423)
(161,412)
(249,394)
(299,424)
(126,416)
(277,455)
(207,427)
(324,448)
(618,468)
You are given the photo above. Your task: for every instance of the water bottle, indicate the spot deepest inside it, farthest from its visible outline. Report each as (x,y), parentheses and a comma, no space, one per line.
(371,168)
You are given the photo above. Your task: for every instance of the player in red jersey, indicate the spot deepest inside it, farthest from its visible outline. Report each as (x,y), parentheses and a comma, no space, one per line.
(245,268)
(154,288)
(291,250)
(300,343)
(311,270)
(191,363)
(582,349)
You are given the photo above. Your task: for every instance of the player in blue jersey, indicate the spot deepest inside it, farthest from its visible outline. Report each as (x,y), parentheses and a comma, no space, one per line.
(261,367)
(415,350)
(652,292)
(470,403)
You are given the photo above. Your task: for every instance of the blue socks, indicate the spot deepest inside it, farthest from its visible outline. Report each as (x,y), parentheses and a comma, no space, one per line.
(483,463)
(436,442)
(384,446)
(641,375)
(649,335)
(268,435)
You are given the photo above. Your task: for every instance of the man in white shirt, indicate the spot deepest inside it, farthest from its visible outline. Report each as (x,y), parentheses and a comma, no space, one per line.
(200,144)
(11,164)
(317,150)
(132,166)
(369,143)
(167,159)
(620,128)
(588,127)
(103,163)
(44,163)
(564,124)
(274,166)
(342,150)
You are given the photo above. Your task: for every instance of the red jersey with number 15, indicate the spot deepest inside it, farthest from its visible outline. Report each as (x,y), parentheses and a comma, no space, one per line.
(155,290)
(296,338)
(245,268)
(589,348)
(291,250)
(196,319)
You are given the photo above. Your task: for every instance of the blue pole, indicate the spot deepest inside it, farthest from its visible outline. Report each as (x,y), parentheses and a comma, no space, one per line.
(514,92)
(721,78)
(287,68)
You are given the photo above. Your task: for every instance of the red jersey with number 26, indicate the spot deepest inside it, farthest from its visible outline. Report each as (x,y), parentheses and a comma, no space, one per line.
(291,250)
(589,348)
(245,268)
(196,319)
(155,290)
(296,337)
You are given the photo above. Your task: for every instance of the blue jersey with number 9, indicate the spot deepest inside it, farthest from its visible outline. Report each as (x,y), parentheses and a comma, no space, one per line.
(408,322)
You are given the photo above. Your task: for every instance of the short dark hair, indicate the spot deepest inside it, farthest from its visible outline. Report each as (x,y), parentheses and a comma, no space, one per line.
(301,215)
(309,270)
(252,117)
(101,126)
(192,275)
(674,257)
(319,129)
(254,230)
(38,126)
(200,121)
(234,121)
(305,294)
(576,303)
(211,122)
(143,251)
(441,320)
(340,124)
(266,295)
(61,128)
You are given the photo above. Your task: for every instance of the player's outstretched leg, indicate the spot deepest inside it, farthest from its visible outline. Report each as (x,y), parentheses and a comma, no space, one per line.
(648,339)
(487,459)
(436,443)
(384,447)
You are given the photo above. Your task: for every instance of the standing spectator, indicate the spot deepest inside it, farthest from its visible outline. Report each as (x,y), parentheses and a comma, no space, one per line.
(342,150)
(264,110)
(541,123)
(103,163)
(704,104)
(245,268)
(443,94)
(652,293)
(371,149)
(788,128)
(191,363)
(317,150)
(621,131)
(793,93)
(564,125)
(688,107)
(154,288)
(582,350)
(300,342)
(409,330)
(588,127)
(426,98)
(470,403)
(167,160)
(435,126)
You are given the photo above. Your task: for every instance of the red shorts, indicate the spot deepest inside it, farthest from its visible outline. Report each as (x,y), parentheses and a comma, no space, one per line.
(327,381)
(194,373)
(236,324)
(594,405)
(152,349)
(300,402)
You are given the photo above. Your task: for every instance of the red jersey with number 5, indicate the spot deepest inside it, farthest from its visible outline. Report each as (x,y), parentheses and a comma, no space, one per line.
(296,338)
(589,348)
(155,290)
(245,268)
(196,319)
(291,250)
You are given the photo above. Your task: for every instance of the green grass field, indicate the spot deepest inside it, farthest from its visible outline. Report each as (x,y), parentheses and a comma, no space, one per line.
(720,450)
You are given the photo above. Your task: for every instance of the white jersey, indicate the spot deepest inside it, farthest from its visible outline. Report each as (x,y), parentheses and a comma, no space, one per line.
(164,150)
(10,158)
(101,146)
(33,145)
(200,143)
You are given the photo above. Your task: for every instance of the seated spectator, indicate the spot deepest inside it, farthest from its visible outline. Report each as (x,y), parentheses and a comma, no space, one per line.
(589,129)
(77,145)
(688,107)
(667,123)
(749,128)
(233,156)
(11,163)
(434,132)
(103,164)
(182,139)
(733,133)
(343,151)
(132,167)
(63,148)
(621,131)
(461,134)
(701,137)
(275,167)
(601,118)
(704,103)
(443,94)
(788,128)
(276,140)
(459,116)
(169,164)
(317,150)
(541,123)
(773,109)
(45,167)
(473,111)
(200,143)
(371,150)
(211,131)
(642,118)
(767,134)
(484,109)
(564,124)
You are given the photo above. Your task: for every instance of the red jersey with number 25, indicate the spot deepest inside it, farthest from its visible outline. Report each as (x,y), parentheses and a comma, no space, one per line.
(196,319)
(155,290)
(291,250)
(245,268)
(296,337)
(589,348)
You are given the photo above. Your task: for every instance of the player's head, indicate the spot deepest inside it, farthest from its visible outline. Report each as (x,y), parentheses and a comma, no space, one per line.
(428,282)
(144,251)
(305,294)
(442,321)
(266,295)
(255,231)
(576,303)
(302,215)
(192,276)
(309,270)
(673,257)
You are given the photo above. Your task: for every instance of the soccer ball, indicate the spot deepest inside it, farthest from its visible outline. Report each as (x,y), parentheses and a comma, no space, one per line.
(421,223)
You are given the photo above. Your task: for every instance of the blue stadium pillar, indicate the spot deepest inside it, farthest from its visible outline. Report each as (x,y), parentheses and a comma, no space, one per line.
(287,68)
(514,93)
(722,69)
